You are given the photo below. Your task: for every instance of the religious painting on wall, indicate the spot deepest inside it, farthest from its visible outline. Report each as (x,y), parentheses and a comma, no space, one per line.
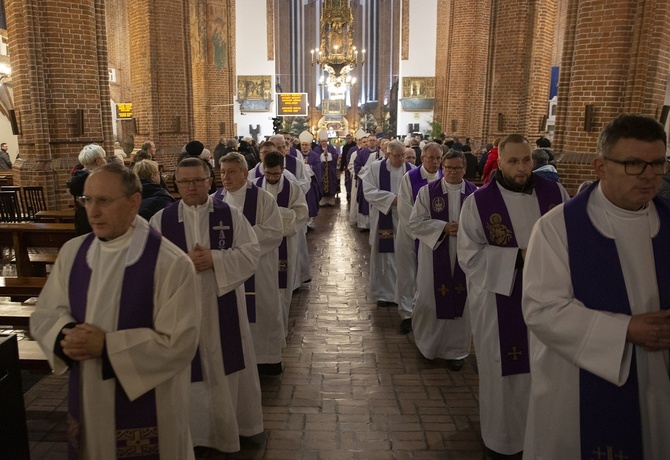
(217,30)
(198,23)
(335,107)
(418,93)
(254,92)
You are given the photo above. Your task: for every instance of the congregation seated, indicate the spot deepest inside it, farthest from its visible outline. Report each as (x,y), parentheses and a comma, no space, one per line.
(154,197)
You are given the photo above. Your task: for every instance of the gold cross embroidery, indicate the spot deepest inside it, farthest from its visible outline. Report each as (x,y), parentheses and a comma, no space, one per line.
(515,353)
(443,290)
(459,289)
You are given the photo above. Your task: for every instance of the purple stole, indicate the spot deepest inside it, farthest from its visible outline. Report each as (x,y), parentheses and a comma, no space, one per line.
(329,171)
(258,172)
(220,237)
(249,211)
(136,421)
(449,288)
(609,414)
(417,180)
(283,199)
(385,227)
(290,164)
(359,162)
(512,330)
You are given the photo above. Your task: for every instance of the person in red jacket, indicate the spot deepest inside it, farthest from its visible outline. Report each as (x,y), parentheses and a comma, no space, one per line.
(491,162)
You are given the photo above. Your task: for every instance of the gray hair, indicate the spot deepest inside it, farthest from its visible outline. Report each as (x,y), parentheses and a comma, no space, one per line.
(145,168)
(232,143)
(432,146)
(130,183)
(395,145)
(540,157)
(90,154)
(235,158)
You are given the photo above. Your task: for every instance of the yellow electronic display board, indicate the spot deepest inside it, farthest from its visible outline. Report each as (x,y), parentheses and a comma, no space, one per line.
(291,104)
(124,110)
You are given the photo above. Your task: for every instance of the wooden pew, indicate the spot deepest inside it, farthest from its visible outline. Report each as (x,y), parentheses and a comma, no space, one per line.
(19,290)
(16,315)
(57,216)
(21,236)
(31,356)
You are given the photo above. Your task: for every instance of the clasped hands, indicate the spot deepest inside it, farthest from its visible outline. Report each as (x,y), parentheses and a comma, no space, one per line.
(650,330)
(82,342)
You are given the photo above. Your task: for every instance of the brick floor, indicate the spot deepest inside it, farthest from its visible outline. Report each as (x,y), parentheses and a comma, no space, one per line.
(353,387)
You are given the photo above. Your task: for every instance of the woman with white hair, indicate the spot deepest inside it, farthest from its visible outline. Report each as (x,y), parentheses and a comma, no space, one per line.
(91,157)
(154,197)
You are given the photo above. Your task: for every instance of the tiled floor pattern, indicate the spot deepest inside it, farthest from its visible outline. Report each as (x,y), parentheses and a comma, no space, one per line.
(353,387)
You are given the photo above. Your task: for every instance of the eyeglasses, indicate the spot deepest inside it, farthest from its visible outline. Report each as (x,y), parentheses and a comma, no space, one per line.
(638,167)
(273,175)
(196,182)
(102,202)
(452,169)
(429,158)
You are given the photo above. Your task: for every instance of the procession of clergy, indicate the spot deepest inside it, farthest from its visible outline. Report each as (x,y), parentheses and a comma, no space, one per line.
(450,256)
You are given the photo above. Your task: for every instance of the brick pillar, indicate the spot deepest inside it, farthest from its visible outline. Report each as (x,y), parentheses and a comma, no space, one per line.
(615,59)
(212,38)
(520,66)
(160,71)
(59,72)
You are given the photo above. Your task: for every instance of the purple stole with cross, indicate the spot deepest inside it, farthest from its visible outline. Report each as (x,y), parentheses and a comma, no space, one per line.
(512,330)
(449,288)
(220,237)
(328,170)
(385,227)
(417,181)
(283,199)
(136,422)
(249,211)
(609,414)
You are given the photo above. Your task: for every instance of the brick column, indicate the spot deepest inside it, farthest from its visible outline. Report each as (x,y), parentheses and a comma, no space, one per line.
(212,38)
(522,33)
(615,60)
(60,78)
(161,76)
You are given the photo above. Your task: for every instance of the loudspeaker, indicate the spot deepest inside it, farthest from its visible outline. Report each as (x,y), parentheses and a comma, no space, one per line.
(664,114)
(13,122)
(177,124)
(222,128)
(79,122)
(454,125)
(500,122)
(588,117)
(543,124)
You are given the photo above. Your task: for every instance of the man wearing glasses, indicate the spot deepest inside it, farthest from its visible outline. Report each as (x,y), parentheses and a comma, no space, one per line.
(225,390)
(493,234)
(405,248)
(294,214)
(120,310)
(440,320)
(596,303)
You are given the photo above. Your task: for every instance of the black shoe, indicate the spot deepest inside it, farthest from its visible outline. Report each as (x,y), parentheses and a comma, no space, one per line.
(269,369)
(455,364)
(406,326)
(490,454)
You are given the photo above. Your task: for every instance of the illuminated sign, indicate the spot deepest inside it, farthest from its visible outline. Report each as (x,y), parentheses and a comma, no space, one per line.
(124,110)
(291,104)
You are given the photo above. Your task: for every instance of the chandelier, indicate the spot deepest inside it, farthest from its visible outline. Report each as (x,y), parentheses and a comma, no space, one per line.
(337,54)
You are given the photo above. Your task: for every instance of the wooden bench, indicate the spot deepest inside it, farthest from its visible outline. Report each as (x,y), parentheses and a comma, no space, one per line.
(16,315)
(20,289)
(31,356)
(24,235)
(58,216)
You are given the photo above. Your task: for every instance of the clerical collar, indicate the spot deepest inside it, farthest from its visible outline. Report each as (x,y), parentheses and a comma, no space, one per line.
(527,188)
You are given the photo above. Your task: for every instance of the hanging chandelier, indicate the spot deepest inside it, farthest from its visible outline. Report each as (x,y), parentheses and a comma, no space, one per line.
(337,54)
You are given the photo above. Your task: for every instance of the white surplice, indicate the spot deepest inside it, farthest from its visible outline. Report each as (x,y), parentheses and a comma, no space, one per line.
(142,358)
(353,205)
(210,422)
(294,219)
(382,265)
(503,401)
(405,250)
(436,338)
(566,336)
(268,330)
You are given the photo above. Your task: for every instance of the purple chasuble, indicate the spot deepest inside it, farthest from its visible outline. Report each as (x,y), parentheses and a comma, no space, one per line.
(136,422)
(449,288)
(328,170)
(609,414)
(512,330)
(283,199)
(220,237)
(249,211)
(385,227)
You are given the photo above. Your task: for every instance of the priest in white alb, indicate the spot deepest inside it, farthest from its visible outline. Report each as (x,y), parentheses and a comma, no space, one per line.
(120,310)
(294,213)
(262,289)
(493,234)
(225,390)
(597,305)
(405,242)
(440,321)
(380,188)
